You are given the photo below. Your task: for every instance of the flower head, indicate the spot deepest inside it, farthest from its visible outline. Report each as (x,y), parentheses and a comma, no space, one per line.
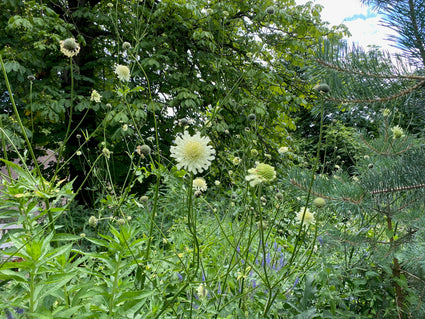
(270,10)
(123,73)
(202,291)
(69,47)
(236,160)
(305,216)
(397,132)
(126,45)
(252,117)
(283,150)
(261,173)
(106,152)
(386,112)
(93,221)
(319,202)
(192,152)
(144,150)
(95,96)
(199,184)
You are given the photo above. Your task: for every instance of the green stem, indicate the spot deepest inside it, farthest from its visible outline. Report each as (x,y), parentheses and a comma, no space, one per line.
(32,288)
(114,289)
(18,119)
(191,221)
(68,129)
(151,226)
(319,145)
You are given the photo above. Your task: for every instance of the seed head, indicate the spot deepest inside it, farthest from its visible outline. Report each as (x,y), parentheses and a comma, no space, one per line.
(319,202)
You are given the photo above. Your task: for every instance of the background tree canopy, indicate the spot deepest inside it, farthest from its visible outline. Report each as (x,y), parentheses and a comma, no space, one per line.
(188,60)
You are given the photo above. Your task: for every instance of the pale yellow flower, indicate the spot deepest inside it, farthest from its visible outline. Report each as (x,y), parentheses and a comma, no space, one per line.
(397,132)
(202,291)
(192,152)
(199,184)
(308,216)
(95,96)
(106,152)
(260,173)
(123,73)
(69,47)
(236,160)
(283,150)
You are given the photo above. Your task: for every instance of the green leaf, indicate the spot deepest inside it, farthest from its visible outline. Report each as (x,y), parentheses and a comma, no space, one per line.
(9,275)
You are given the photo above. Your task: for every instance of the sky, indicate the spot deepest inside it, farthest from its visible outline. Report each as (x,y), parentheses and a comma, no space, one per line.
(362,22)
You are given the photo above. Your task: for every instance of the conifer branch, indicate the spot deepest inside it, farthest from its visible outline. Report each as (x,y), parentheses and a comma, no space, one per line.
(397,189)
(345,199)
(418,41)
(369,75)
(379,100)
(387,152)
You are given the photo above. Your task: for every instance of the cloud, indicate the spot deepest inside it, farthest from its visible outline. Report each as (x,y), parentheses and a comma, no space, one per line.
(363,24)
(367,32)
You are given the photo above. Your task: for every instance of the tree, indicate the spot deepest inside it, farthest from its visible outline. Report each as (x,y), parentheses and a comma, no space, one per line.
(376,213)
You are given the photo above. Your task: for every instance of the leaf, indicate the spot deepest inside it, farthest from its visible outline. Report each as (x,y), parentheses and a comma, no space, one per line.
(21,172)
(99,242)
(67,312)
(65,237)
(8,275)
(134,295)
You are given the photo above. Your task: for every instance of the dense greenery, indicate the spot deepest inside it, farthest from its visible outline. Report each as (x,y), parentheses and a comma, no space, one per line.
(212,159)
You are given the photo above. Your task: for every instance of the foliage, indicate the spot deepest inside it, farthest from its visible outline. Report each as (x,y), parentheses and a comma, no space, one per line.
(113,229)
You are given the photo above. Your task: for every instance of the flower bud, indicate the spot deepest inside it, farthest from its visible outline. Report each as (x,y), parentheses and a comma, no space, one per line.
(319,202)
